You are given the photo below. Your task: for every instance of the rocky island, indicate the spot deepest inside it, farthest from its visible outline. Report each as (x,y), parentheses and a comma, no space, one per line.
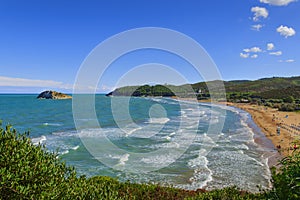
(49,94)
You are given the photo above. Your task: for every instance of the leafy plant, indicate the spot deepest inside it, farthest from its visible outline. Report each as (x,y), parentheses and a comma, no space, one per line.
(286,179)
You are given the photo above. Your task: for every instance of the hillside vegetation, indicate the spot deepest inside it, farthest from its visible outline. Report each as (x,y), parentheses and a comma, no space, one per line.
(278,92)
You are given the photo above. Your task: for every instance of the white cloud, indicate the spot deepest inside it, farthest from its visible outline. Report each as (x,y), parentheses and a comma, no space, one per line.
(276,53)
(270,46)
(290,60)
(21,82)
(259,12)
(107,88)
(277,2)
(244,55)
(256,27)
(46,84)
(286,31)
(287,61)
(253,49)
(254,56)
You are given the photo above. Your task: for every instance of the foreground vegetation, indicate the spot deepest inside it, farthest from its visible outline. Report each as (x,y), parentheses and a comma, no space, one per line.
(30,172)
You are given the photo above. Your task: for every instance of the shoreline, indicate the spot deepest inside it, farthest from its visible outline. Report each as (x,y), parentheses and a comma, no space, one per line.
(257,123)
(269,120)
(271,153)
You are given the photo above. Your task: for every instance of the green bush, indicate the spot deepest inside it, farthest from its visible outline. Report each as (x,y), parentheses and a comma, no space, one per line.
(269,104)
(27,171)
(275,100)
(289,99)
(230,193)
(30,172)
(286,180)
(287,107)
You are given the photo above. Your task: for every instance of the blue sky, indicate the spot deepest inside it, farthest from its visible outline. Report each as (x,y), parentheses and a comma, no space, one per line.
(43,43)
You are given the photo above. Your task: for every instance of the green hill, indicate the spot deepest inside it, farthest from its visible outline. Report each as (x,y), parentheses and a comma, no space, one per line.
(265,88)
(262,85)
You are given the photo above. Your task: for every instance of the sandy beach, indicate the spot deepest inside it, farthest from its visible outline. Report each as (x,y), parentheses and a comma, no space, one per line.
(282,128)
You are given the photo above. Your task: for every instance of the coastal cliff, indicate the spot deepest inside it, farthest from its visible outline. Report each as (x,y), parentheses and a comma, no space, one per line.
(49,94)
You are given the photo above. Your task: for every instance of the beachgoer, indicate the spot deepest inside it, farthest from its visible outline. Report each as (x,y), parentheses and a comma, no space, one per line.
(278,130)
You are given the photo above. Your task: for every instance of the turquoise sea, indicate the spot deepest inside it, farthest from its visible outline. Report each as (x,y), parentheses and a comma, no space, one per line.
(215,159)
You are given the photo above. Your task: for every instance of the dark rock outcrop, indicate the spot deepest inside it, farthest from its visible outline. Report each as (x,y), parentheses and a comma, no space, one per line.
(109,94)
(49,94)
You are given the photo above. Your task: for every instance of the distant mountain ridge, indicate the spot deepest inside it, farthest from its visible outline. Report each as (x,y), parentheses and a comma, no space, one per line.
(262,85)
(275,87)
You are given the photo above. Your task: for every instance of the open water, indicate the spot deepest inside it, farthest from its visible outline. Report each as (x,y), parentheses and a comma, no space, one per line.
(214,158)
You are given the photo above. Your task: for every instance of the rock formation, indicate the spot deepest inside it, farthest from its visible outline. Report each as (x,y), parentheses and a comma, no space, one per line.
(49,94)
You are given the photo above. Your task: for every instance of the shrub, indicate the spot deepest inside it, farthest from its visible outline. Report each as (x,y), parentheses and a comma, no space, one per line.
(287,107)
(275,100)
(289,99)
(230,193)
(269,104)
(30,172)
(286,180)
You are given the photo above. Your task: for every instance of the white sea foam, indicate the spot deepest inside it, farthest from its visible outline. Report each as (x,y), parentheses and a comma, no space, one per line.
(167,138)
(164,100)
(201,112)
(202,174)
(170,145)
(64,152)
(52,124)
(131,131)
(96,133)
(66,134)
(201,178)
(200,161)
(171,134)
(75,148)
(38,140)
(241,151)
(190,109)
(268,171)
(242,147)
(225,107)
(157,160)
(255,160)
(161,120)
(123,159)
(214,121)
